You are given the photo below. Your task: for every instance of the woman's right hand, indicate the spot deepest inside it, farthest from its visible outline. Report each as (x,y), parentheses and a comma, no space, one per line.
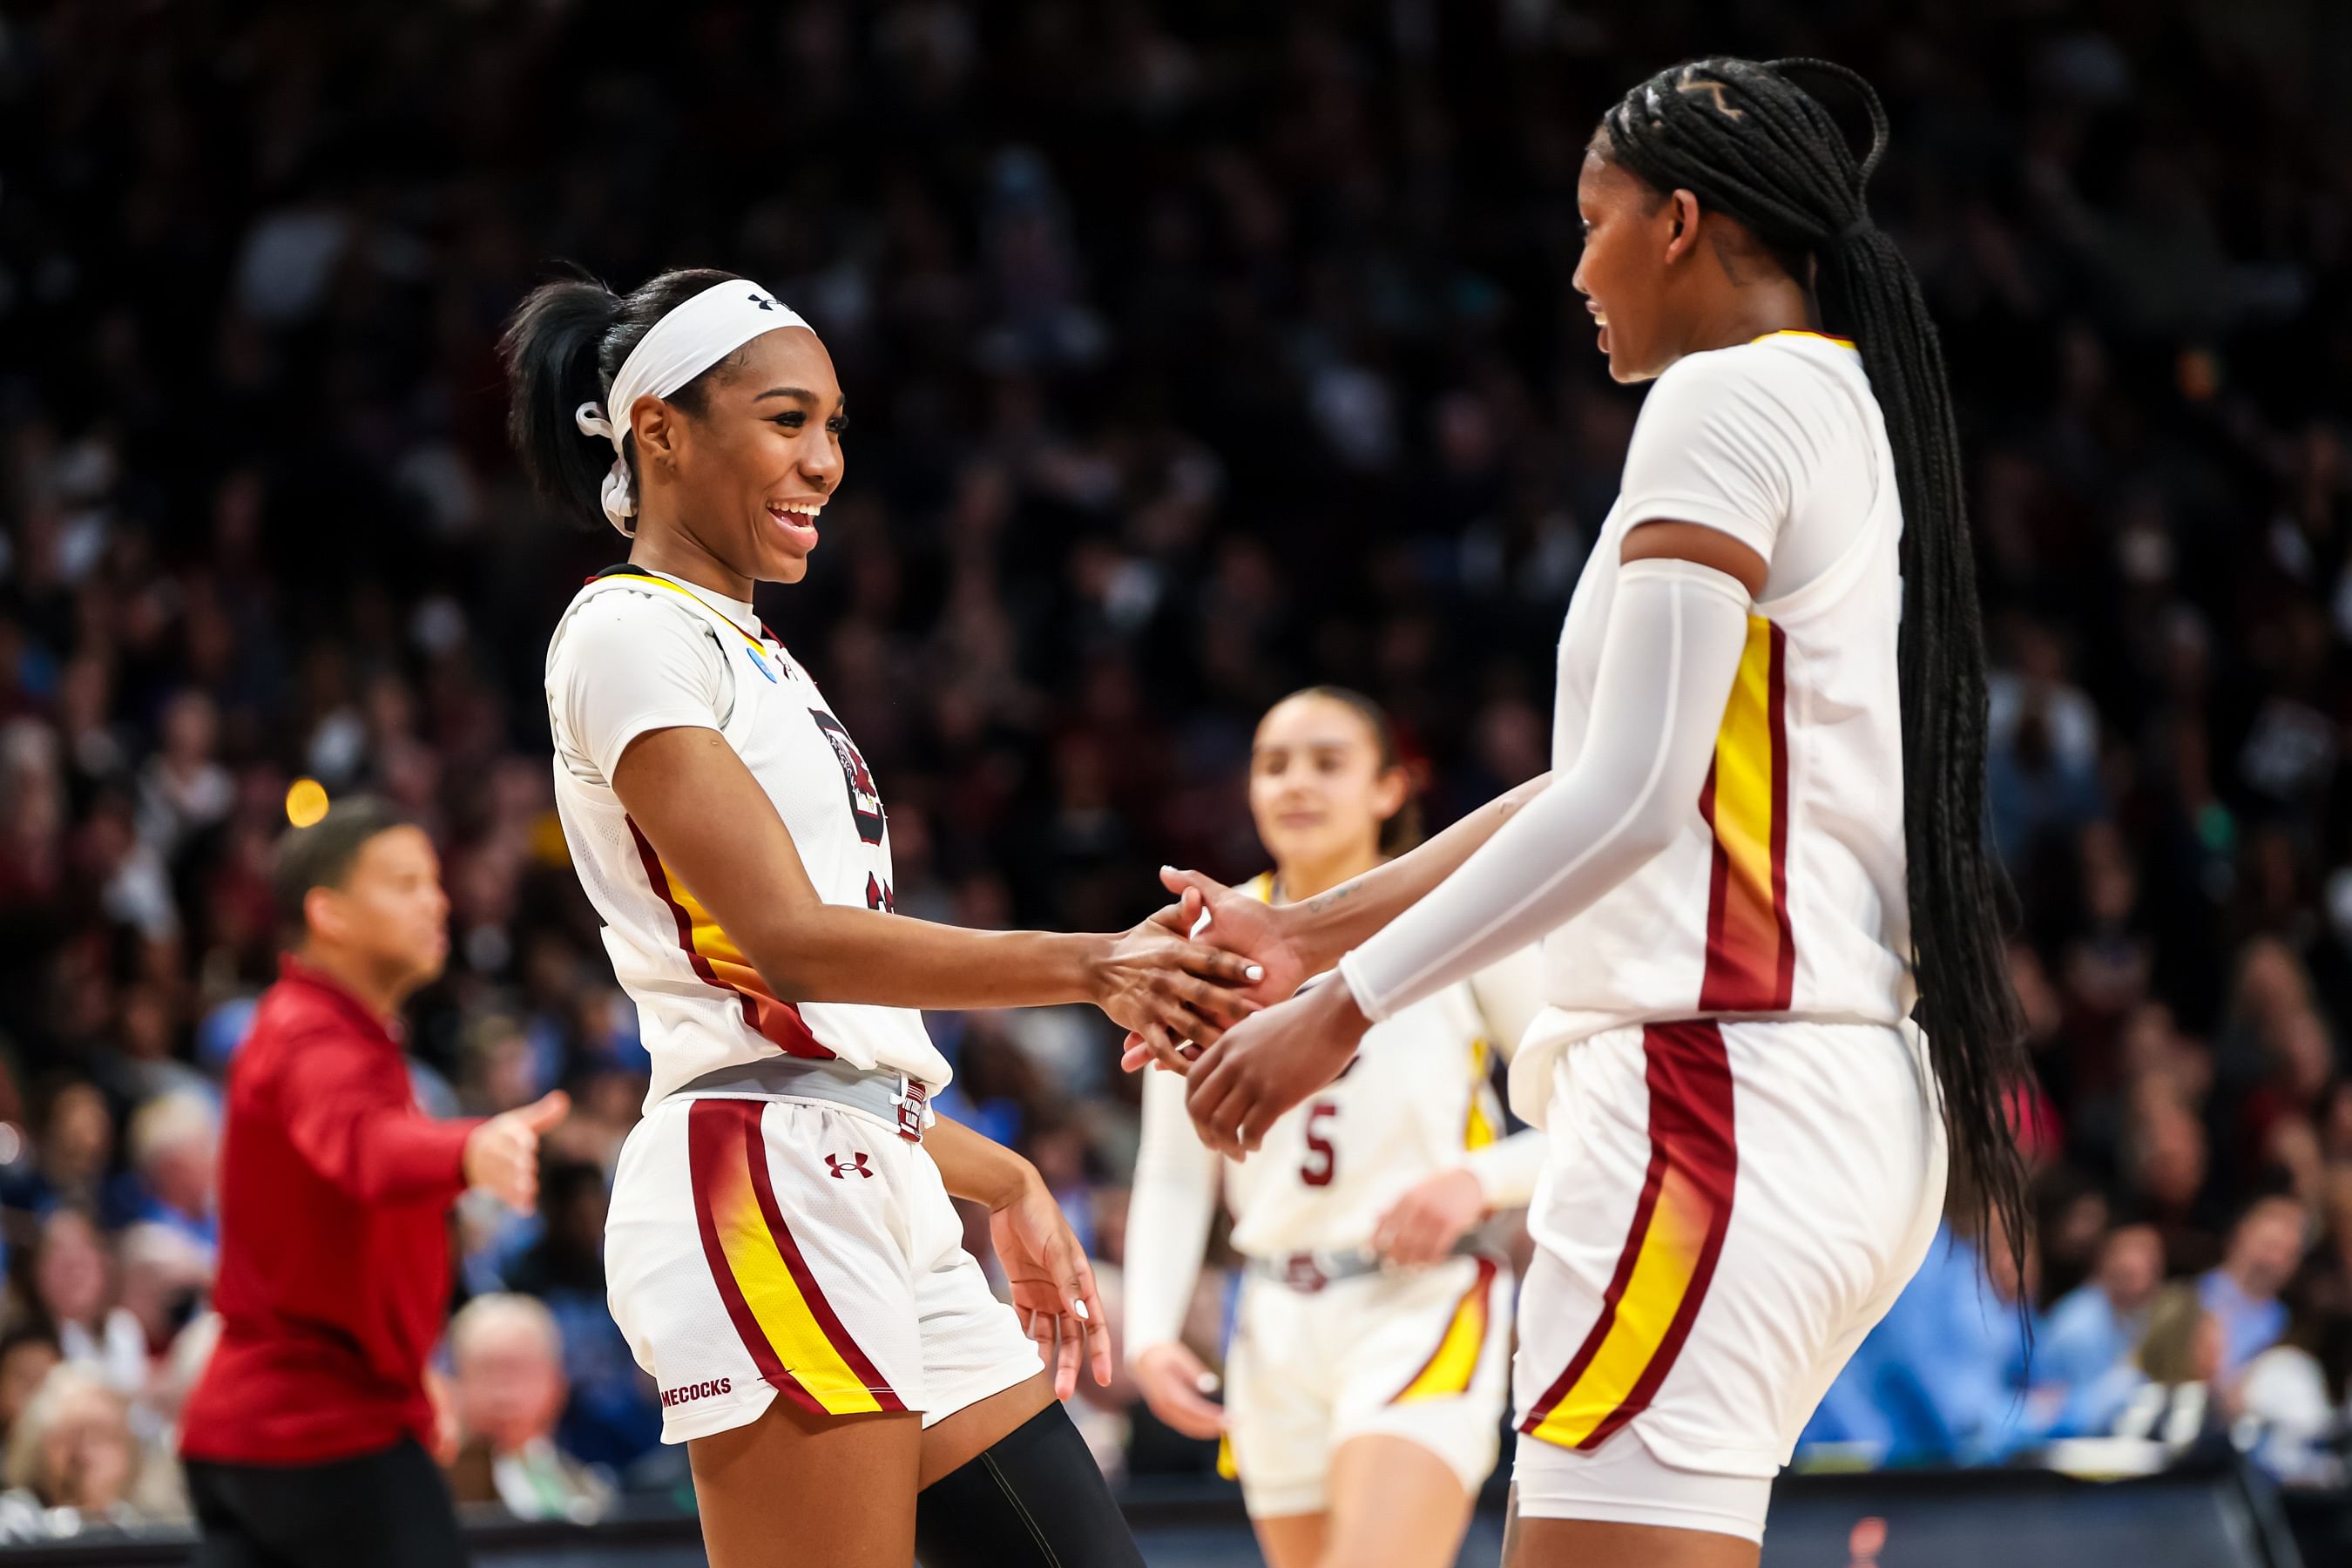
(1175,1384)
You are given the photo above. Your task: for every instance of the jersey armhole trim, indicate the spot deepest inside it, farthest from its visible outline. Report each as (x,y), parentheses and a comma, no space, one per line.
(690,599)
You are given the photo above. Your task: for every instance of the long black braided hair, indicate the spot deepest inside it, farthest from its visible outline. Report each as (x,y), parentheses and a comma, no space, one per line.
(1750,142)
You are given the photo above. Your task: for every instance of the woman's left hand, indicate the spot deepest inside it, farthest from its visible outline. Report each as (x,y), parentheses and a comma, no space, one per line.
(1269,1062)
(1434,1212)
(1053,1285)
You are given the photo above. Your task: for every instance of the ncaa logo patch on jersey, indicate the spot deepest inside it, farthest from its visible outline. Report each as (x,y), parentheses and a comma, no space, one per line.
(865,800)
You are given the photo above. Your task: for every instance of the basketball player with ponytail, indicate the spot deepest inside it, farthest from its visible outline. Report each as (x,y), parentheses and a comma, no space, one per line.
(1368,1366)
(782,1252)
(1777,1000)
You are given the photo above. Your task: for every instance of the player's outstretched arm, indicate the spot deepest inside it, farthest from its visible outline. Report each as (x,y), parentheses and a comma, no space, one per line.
(1308,937)
(715,829)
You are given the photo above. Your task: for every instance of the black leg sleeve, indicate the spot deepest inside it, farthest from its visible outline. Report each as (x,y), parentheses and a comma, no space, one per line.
(1036,1500)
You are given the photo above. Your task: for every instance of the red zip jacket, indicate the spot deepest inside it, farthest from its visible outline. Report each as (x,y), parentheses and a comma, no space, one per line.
(334,1247)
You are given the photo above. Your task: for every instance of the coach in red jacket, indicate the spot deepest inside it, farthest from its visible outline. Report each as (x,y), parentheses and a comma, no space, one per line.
(307,1439)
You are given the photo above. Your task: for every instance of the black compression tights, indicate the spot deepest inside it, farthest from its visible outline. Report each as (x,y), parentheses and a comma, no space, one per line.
(1036,1500)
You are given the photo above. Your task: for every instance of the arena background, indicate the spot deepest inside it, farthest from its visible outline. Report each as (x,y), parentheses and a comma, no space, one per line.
(1193,353)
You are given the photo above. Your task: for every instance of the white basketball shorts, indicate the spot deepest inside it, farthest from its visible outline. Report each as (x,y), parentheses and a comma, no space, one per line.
(765,1247)
(1422,1354)
(1729,1208)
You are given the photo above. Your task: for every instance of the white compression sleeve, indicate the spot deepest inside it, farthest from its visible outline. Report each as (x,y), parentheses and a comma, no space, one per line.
(1677,630)
(1168,1215)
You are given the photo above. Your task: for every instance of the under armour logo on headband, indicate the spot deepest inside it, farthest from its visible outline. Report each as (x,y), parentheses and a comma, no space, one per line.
(762,301)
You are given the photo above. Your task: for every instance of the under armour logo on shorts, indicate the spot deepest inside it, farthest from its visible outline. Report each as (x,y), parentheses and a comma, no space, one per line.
(841,1172)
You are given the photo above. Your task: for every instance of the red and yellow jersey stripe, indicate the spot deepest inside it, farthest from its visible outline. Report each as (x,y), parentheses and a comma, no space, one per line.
(1751,955)
(1447,1374)
(795,1337)
(1670,1252)
(721,964)
(1478,1129)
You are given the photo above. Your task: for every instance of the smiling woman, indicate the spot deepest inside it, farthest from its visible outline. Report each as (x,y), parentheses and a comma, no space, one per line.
(723,393)
(780,1222)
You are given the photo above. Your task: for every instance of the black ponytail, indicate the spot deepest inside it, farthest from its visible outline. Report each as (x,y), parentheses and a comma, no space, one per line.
(1750,142)
(566,343)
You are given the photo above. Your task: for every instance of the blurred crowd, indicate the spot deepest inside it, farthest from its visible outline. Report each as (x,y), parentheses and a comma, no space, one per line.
(1193,353)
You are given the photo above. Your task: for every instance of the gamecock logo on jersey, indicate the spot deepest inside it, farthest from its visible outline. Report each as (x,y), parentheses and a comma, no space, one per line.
(865,800)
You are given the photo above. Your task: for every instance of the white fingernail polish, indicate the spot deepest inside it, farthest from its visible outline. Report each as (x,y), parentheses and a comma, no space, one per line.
(1079,1308)
(1256,972)
(1208,1383)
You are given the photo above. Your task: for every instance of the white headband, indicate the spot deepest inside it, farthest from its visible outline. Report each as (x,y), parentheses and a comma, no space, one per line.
(692,338)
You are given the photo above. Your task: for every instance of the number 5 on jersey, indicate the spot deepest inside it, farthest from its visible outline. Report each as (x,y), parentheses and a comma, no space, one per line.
(1322,1162)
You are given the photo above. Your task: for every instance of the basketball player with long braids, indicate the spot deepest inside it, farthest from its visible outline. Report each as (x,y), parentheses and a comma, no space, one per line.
(782,1252)
(1773,954)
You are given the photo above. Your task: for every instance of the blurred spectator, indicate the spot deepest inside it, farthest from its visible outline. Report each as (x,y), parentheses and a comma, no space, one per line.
(2180,1401)
(27,1358)
(175,1147)
(166,1276)
(507,1390)
(183,790)
(72,1462)
(73,1145)
(2095,1328)
(65,1286)
(2242,1293)
(2043,742)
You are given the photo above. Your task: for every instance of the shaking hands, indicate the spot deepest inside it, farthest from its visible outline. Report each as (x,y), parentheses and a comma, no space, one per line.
(1261,1062)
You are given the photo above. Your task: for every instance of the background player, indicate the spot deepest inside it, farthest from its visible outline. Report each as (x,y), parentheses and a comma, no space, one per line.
(1365,1389)
(1773,648)
(780,1221)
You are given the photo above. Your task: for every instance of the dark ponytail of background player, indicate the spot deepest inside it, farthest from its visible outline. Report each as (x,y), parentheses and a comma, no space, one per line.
(1750,142)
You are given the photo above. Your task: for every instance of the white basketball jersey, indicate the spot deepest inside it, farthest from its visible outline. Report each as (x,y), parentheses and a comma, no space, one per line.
(701,1004)
(1783,896)
(1417,1096)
